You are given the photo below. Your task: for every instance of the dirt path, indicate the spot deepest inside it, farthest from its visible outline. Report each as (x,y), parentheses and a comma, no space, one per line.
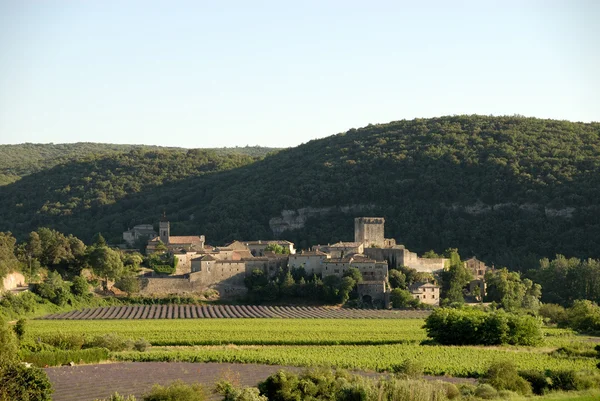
(89,382)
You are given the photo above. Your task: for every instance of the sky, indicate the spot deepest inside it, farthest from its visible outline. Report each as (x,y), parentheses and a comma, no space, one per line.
(280,73)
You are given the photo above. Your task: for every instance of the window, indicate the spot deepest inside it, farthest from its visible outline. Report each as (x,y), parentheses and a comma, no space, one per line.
(432,296)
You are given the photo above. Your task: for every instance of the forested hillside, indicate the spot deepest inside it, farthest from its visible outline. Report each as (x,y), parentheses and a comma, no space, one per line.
(507,189)
(17,161)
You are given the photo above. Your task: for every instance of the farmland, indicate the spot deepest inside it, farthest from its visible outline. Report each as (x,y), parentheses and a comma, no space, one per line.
(229,311)
(370,344)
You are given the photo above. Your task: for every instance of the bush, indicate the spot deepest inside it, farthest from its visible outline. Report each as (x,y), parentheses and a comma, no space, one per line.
(58,358)
(64,341)
(554,314)
(80,286)
(472,326)
(231,393)
(141,345)
(112,342)
(410,368)
(452,392)
(403,299)
(486,392)
(20,328)
(176,391)
(569,380)
(504,376)
(540,384)
(22,383)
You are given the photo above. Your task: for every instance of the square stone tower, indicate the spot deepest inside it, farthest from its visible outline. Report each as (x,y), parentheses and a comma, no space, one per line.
(164,229)
(369,231)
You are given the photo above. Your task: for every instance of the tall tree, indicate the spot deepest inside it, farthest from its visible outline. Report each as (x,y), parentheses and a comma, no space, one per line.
(106,263)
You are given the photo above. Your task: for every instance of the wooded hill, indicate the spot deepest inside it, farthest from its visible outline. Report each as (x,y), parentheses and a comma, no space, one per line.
(507,189)
(17,161)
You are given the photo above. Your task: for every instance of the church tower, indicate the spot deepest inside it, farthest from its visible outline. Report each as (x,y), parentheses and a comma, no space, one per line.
(164,230)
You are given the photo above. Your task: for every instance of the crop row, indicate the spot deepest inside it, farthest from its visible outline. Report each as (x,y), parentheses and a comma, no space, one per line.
(437,360)
(229,311)
(186,332)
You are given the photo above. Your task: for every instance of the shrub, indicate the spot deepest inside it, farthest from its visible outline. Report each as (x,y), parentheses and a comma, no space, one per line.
(569,380)
(554,314)
(64,341)
(58,358)
(504,376)
(22,383)
(452,392)
(507,394)
(141,345)
(112,342)
(80,286)
(540,384)
(20,328)
(231,393)
(409,368)
(176,391)
(486,392)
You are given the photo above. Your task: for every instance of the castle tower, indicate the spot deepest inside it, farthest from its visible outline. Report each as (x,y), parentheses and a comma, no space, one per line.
(369,231)
(164,229)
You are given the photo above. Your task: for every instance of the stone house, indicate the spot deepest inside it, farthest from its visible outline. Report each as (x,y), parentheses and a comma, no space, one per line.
(341,249)
(139,232)
(477,286)
(427,293)
(370,269)
(311,261)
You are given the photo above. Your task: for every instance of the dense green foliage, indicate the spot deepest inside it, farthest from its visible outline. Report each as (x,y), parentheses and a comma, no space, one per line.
(509,189)
(19,382)
(17,161)
(472,327)
(565,280)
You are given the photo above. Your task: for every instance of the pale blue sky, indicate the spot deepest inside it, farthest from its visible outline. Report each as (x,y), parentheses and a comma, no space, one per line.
(279,73)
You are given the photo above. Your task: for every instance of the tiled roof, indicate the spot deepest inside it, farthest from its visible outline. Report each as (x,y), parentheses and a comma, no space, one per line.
(185,239)
(346,245)
(267,242)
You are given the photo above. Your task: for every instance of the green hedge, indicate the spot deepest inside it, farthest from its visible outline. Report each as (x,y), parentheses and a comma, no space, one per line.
(57,358)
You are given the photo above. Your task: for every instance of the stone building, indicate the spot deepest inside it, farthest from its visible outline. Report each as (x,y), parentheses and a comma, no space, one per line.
(371,270)
(188,243)
(477,268)
(141,232)
(374,293)
(311,261)
(427,293)
(341,249)
(369,231)
(257,248)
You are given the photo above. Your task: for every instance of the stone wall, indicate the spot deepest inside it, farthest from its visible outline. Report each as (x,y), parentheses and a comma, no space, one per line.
(168,285)
(400,256)
(12,281)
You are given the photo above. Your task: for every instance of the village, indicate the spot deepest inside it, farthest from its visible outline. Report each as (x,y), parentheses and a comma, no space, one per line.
(199,266)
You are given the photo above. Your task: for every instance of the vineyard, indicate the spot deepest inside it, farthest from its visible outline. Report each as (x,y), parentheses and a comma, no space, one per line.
(230,311)
(187,332)
(437,360)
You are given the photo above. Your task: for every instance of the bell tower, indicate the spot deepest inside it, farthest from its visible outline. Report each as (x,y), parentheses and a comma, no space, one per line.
(164,230)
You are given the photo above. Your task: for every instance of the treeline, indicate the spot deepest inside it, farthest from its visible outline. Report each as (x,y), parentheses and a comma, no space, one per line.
(17,161)
(510,190)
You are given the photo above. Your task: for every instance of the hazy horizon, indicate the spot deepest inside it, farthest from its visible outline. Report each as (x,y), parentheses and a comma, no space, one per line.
(201,75)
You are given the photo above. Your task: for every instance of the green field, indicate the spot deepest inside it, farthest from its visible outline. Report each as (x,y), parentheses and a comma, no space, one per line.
(371,344)
(244,331)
